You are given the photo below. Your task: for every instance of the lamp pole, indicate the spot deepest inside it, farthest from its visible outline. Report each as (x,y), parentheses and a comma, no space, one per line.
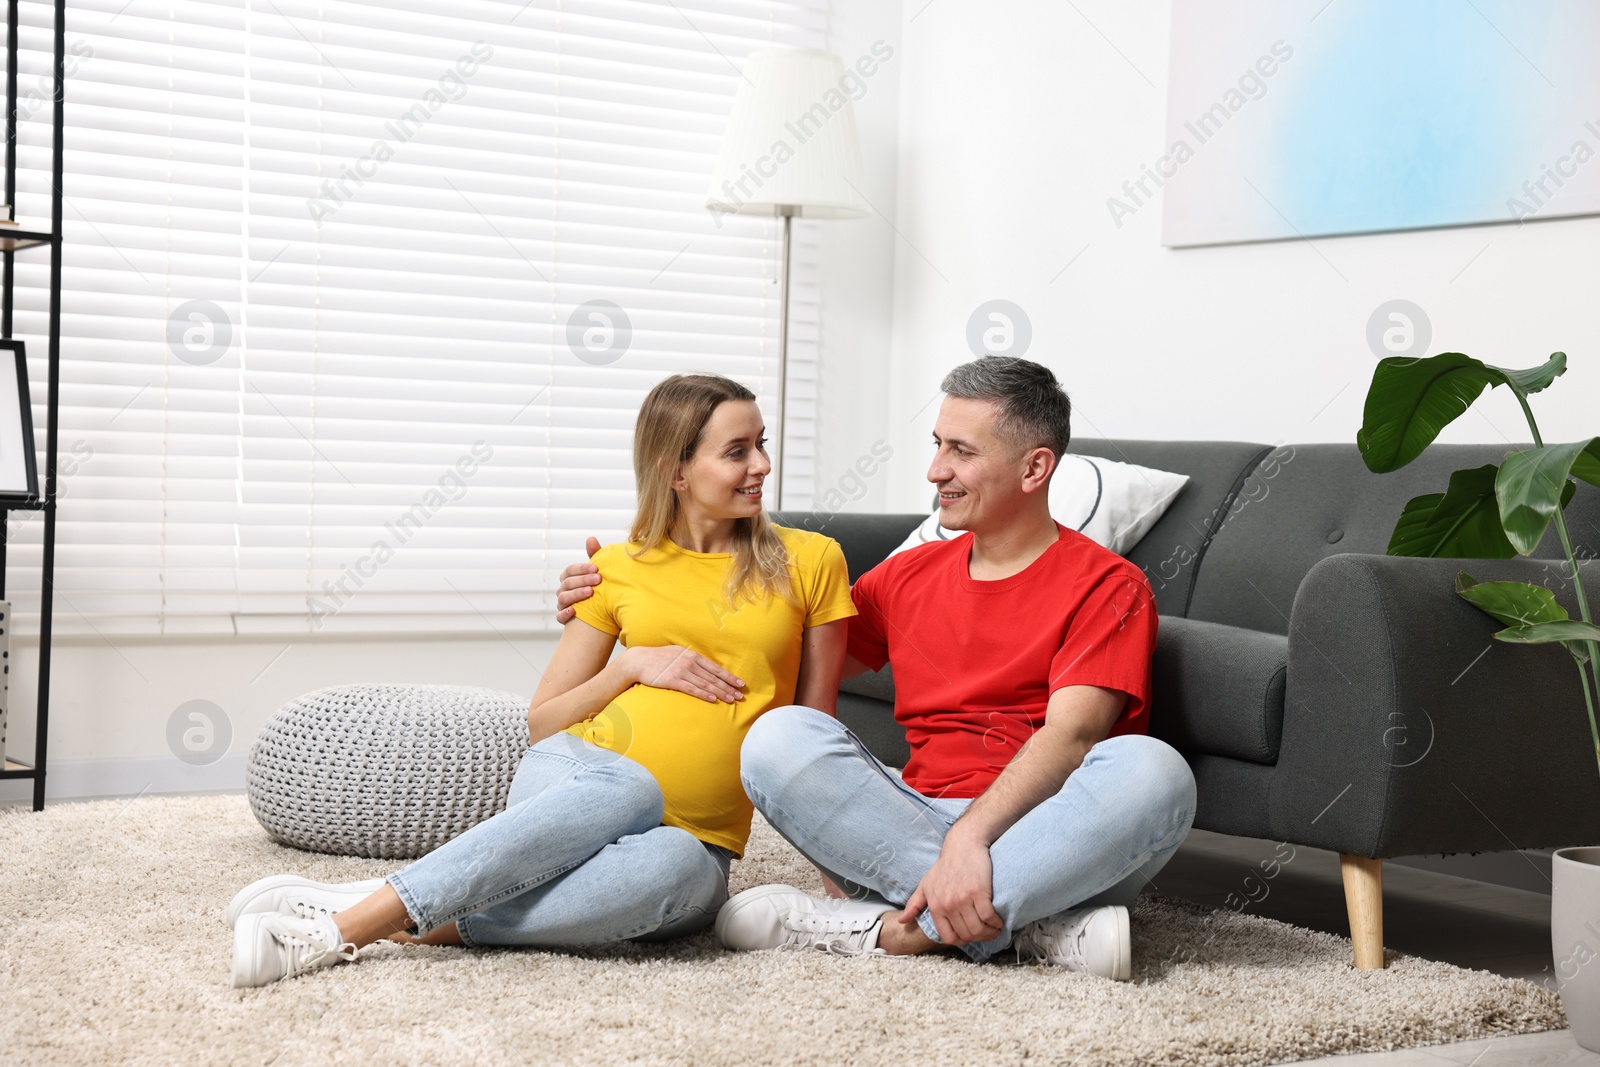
(820,178)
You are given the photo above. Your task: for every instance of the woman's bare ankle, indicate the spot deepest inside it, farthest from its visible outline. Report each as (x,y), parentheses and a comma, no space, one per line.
(374,918)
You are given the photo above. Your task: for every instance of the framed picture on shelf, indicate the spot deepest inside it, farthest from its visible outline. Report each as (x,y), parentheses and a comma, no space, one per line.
(19,476)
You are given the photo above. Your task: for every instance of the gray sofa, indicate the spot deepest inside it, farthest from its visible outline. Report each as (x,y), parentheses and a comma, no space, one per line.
(1326,694)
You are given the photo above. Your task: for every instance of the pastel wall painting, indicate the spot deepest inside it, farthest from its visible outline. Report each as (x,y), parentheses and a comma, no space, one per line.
(1300,118)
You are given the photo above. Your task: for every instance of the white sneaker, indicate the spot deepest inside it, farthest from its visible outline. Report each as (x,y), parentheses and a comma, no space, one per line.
(290,894)
(783,917)
(269,947)
(1091,940)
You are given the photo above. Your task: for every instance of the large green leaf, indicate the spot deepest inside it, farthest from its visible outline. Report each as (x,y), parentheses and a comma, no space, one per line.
(1513,603)
(1533,379)
(1569,632)
(1463,521)
(1411,400)
(1587,465)
(1407,536)
(1534,483)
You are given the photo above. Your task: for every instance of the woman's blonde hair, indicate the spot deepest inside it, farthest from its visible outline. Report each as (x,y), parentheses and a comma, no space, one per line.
(671,424)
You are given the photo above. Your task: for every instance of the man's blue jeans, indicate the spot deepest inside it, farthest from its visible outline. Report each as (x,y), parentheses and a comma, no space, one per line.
(1114,824)
(578,857)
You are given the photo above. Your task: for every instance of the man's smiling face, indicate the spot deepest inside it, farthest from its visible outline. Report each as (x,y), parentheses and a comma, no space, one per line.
(978,473)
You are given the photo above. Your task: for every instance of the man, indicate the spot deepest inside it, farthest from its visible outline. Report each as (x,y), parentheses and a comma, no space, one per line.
(1034,805)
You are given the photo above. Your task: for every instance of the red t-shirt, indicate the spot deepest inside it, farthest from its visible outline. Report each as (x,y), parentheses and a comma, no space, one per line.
(975,662)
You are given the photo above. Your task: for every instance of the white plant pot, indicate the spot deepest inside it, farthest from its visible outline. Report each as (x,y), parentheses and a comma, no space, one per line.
(1575,939)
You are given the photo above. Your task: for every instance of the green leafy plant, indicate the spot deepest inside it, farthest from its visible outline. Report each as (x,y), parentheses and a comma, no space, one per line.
(1487,512)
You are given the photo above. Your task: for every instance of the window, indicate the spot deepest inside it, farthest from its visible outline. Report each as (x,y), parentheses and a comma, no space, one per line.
(360,300)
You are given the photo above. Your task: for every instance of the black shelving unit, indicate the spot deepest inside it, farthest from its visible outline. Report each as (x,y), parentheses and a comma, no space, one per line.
(12,241)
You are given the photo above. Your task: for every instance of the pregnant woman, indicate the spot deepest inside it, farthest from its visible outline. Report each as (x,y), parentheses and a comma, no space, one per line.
(627,808)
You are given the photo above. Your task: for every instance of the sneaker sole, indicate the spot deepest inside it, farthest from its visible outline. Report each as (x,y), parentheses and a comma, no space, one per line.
(244,897)
(740,901)
(1123,967)
(246,943)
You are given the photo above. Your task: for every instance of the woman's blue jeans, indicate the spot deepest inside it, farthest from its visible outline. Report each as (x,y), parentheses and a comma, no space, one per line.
(1117,820)
(578,857)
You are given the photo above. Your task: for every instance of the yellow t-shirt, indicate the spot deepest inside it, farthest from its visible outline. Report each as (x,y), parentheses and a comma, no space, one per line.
(672,596)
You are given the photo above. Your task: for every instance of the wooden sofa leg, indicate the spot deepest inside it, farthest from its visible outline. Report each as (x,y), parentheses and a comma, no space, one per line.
(1363,899)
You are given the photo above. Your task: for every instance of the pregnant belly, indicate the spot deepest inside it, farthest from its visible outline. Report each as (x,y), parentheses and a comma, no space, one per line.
(690,746)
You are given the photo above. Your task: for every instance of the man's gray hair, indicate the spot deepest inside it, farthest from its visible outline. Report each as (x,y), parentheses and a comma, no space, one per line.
(1035,412)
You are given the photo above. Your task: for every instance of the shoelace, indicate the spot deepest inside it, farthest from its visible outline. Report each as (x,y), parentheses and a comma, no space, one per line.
(305,950)
(1043,943)
(829,933)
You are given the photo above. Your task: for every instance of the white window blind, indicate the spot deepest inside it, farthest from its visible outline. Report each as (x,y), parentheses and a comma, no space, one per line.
(320,263)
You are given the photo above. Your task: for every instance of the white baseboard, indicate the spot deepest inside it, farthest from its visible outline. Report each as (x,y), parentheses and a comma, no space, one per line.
(82,779)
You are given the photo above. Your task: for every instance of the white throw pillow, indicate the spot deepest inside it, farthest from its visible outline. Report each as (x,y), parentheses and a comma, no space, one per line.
(1111,503)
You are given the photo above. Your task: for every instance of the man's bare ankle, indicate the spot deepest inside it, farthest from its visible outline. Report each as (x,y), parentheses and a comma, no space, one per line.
(898,939)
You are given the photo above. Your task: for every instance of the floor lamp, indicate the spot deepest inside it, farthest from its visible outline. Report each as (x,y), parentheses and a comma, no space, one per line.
(790,150)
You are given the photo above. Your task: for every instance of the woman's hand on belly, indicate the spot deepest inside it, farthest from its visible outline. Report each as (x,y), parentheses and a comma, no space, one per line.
(679,668)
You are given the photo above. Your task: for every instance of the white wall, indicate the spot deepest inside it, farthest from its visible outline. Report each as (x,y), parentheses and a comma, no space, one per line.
(1019,119)
(858,279)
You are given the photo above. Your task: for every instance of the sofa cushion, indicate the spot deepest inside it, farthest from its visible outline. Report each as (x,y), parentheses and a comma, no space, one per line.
(876,684)
(1219,689)
(873,722)
(1169,553)
(1320,501)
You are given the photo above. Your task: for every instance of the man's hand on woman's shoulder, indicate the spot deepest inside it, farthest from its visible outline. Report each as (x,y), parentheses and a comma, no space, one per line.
(577,583)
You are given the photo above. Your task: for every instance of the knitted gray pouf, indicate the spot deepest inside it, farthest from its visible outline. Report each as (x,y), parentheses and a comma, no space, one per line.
(385,771)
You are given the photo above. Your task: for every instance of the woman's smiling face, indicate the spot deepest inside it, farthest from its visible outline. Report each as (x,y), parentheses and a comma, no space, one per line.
(725,476)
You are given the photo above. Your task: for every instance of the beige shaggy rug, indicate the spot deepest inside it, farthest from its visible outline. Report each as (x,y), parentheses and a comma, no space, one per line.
(113,951)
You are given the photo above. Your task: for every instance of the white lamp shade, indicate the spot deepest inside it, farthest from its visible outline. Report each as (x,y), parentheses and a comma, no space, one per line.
(791,146)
